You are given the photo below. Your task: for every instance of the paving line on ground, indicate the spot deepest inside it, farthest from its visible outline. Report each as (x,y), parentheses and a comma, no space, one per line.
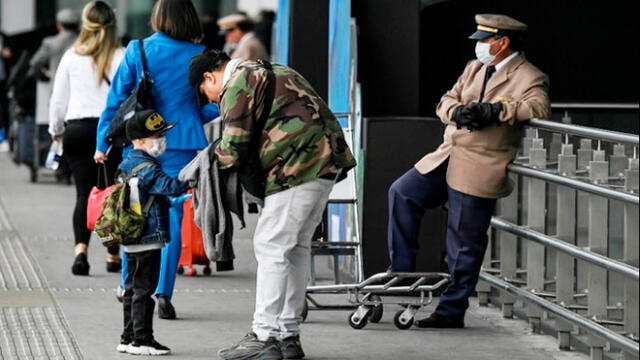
(29,332)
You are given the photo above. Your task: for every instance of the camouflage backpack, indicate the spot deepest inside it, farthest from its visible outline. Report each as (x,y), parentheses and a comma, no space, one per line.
(118,223)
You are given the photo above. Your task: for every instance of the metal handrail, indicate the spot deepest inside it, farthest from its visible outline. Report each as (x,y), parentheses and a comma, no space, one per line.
(589,132)
(623,342)
(596,106)
(588,256)
(575,184)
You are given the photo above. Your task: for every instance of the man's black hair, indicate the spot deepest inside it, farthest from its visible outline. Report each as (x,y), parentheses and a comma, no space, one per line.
(207,61)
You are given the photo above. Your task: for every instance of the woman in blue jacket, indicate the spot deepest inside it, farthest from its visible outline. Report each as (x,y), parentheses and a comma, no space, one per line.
(168,52)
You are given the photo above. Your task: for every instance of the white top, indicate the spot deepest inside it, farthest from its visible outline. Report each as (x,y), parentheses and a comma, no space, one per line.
(76,92)
(505,61)
(229,69)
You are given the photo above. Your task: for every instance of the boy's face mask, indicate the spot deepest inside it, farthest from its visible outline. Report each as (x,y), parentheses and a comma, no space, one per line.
(158,146)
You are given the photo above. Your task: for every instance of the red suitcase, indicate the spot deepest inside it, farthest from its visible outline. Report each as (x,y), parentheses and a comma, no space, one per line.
(192,246)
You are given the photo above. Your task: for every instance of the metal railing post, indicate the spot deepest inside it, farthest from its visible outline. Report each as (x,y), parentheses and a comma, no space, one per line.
(483,289)
(527,141)
(597,299)
(536,221)
(631,255)
(585,153)
(618,161)
(508,245)
(566,224)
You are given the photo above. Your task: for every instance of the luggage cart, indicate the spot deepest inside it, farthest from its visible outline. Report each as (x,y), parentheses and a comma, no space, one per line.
(366,297)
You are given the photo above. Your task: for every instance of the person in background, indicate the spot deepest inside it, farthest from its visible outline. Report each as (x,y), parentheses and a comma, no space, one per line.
(168,52)
(45,61)
(79,93)
(43,66)
(241,41)
(483,113)
(4,103)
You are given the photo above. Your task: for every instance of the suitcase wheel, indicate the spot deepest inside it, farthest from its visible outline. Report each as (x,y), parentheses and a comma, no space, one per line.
(190,271)
(207,270)
(180,270)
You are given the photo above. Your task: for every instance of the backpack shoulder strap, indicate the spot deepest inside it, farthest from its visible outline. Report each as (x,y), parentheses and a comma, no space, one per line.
(134,173)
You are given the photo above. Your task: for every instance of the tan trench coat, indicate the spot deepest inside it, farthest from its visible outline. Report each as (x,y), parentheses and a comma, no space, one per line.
(478,160)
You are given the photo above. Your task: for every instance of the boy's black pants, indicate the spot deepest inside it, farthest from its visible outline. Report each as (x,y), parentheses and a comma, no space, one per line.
(138,304)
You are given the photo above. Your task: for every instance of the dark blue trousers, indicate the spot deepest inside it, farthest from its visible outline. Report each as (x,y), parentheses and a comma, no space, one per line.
(468,221)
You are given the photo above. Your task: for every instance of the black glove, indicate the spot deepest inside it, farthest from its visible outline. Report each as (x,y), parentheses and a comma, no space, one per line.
(463,116)
(486,114)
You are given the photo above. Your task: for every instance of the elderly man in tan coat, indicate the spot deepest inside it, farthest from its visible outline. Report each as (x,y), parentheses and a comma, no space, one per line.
(241,41)
(483,114)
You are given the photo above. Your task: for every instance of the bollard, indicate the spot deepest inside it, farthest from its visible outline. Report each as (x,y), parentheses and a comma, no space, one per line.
(631,255)
(618,161)
(598,242)
(585,153)
(508,245)
(536,221)
(566,222)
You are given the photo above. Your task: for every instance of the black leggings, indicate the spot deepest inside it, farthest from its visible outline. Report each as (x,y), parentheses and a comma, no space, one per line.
(79,143)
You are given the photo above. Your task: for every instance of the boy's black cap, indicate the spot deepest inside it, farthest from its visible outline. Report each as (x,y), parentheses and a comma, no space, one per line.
(146,123)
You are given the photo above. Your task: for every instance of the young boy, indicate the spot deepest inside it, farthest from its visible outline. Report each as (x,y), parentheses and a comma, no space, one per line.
(149,190)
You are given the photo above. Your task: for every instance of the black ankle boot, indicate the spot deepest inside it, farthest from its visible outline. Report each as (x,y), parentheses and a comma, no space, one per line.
(80,265)
(440,322)
(165,308)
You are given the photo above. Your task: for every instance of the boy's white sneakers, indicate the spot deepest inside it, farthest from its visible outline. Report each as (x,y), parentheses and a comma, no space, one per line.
(146,348)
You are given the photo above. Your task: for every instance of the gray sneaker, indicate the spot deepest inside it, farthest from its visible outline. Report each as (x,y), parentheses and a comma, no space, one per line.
(250,348)
(291,348)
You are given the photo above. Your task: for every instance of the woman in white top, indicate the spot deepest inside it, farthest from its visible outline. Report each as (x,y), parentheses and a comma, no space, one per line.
(79,95)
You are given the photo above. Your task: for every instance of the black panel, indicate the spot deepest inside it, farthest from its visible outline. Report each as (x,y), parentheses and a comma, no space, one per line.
(587,47)
(388,56)
(392,146)
(309,42)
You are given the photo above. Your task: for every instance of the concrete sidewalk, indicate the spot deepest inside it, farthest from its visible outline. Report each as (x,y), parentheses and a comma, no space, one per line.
(46,313)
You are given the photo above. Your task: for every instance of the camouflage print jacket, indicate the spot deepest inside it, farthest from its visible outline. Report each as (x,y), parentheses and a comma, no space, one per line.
(301,141)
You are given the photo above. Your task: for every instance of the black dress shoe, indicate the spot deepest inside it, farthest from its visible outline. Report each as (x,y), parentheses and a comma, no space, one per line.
(80,265)
(440,322)
(165,308)
(114,266)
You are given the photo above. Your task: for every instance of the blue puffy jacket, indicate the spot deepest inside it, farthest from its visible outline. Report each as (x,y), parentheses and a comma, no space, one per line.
(175,99)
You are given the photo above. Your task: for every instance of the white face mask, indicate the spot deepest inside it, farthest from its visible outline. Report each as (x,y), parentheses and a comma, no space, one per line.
(158,148)
(483,52)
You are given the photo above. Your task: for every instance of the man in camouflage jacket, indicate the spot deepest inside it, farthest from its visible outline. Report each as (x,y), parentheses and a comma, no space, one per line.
(302,153)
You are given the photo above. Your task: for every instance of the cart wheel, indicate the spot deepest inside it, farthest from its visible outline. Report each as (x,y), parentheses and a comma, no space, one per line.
(207,270)
(398,322)
(191,272)
(180,270)
(359,324)
(376,314)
